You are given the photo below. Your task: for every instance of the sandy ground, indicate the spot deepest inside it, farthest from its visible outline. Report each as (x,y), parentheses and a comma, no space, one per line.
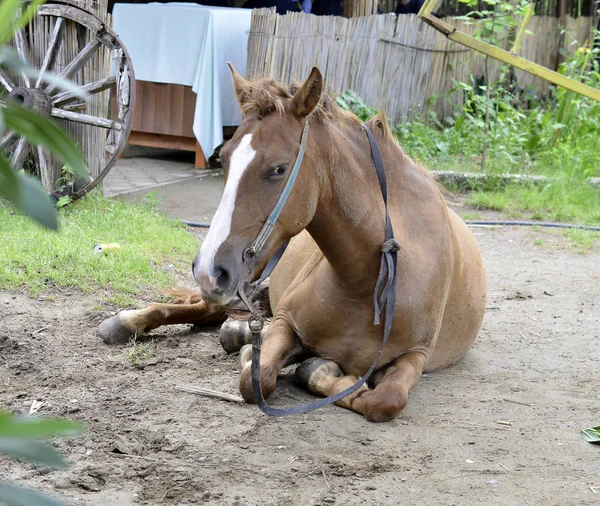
(502,427)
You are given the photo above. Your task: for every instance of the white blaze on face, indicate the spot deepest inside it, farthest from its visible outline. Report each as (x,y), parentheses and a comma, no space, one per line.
(220,227)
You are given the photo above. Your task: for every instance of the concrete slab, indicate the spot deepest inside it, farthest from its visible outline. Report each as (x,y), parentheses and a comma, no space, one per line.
(194,199)
(143,168)
(177,188)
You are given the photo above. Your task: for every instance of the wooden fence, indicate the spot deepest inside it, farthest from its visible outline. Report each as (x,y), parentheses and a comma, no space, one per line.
(395,63)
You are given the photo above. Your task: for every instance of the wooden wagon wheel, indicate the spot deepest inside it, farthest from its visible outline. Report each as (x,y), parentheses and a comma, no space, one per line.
(76,45)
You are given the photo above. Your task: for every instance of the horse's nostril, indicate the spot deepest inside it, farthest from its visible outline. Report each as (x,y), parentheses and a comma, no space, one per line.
(222,277)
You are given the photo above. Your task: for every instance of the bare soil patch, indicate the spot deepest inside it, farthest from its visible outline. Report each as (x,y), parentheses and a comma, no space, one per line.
(501,427)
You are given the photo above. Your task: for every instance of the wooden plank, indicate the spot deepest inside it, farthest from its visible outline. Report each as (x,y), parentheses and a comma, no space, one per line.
(162,141)
(177,108)
(166,109)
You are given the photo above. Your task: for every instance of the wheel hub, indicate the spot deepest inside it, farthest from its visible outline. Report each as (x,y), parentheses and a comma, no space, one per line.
(32,98)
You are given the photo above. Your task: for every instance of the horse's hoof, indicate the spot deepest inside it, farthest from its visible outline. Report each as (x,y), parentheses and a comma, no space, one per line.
(309,371)
(246,356)
(112,331)
(234,334)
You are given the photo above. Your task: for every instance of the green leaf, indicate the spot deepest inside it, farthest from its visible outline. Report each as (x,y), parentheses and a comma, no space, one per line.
(31,451)
(30,11)
(592,435)
(11,18)
(63,201)
(28,427)
(8,11)
(40,130)
(11,495)
(27,194)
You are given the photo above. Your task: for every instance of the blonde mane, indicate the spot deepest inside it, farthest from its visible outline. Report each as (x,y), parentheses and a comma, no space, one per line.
(266,96)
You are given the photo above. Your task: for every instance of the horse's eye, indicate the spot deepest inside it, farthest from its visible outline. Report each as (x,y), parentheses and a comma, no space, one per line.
(278,171)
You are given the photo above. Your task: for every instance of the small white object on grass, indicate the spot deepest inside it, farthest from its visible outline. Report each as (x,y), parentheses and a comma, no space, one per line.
(36,406)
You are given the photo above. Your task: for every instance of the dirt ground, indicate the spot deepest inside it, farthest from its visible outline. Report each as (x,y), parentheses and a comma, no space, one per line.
(500,428)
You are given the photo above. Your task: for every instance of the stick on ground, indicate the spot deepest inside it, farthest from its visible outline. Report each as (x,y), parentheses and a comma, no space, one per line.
(209,393)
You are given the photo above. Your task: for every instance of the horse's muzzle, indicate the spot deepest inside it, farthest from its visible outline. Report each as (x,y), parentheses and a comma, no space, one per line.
(219,286)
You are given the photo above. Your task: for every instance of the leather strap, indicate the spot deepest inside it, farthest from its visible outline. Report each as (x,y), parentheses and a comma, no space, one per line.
(267,228)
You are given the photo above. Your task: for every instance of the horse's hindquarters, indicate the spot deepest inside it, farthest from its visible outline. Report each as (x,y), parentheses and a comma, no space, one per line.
(465,306)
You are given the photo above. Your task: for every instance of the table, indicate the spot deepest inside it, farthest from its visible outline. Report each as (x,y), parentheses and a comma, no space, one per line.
(179,45)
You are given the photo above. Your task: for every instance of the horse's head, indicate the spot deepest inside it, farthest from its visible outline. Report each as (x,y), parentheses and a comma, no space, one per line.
(257,163)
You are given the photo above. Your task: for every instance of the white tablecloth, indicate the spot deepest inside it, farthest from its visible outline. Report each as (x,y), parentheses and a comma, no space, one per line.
(189,44)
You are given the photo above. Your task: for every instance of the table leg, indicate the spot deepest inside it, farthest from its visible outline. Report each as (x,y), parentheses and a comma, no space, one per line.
(201,162)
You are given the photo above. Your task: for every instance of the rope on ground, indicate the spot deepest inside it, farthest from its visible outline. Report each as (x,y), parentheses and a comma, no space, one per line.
(196,224)
(476,222)
(532,224)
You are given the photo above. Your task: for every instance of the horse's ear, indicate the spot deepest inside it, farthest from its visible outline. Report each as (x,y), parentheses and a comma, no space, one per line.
(240,85)
(307,97)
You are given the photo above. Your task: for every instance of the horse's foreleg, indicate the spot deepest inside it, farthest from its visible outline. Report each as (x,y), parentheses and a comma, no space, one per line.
(280,347)
(121,328)
(382,403)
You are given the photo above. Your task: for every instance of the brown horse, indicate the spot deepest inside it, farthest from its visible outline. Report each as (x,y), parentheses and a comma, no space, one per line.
(321,292)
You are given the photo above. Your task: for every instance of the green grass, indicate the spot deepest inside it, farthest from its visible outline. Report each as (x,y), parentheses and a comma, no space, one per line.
(471,216)
(582,241)
(579,241)
(563,201)
(141,353)
(36,260)
(118,299)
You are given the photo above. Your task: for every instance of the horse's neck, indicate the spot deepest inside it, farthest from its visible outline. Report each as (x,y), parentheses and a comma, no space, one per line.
(349,225)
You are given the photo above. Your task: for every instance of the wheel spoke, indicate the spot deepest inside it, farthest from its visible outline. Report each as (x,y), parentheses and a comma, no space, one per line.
(7,138)
(95,87)
(43,163)
(75,107)
(6,82)
(53,47)
(18,157)
(79,61)
(23,51)
(86,119)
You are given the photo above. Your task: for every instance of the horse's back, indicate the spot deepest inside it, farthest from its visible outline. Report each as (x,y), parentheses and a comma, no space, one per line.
(465,305)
